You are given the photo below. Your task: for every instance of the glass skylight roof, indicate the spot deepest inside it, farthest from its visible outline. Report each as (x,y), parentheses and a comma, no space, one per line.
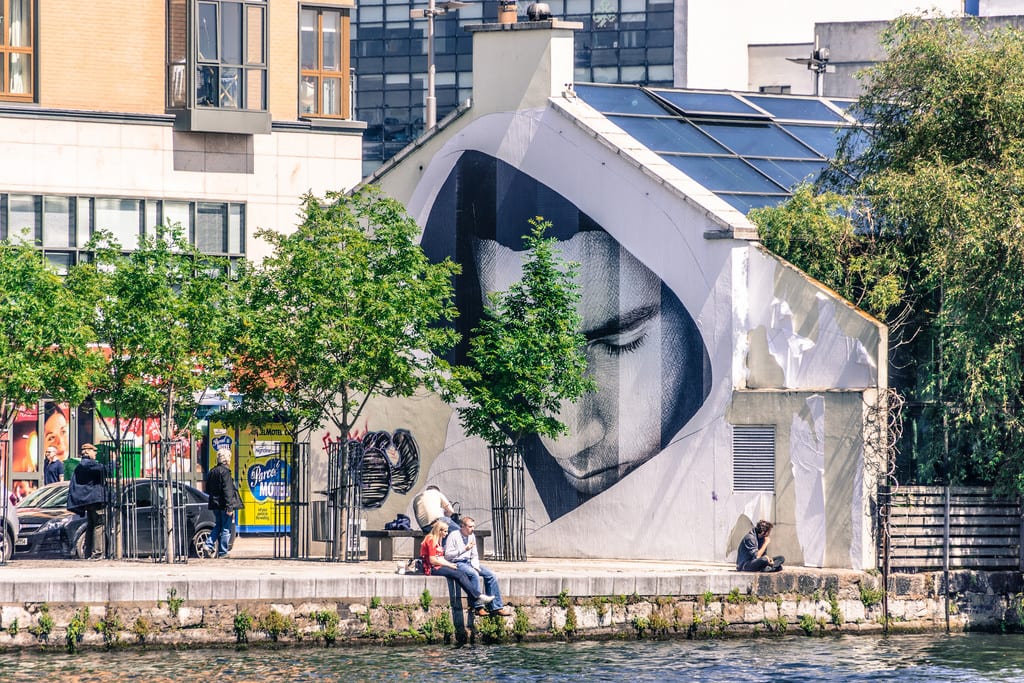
(751,150)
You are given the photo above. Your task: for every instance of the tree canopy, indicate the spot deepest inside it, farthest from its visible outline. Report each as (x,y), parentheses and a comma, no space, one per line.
(942,173)
(160,313)
(346,307)
(44,334)
(527,355)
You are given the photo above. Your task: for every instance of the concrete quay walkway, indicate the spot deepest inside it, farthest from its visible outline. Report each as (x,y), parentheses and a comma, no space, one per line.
(251,573)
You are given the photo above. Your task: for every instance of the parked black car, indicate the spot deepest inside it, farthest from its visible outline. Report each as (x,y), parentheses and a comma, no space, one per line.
(46,522)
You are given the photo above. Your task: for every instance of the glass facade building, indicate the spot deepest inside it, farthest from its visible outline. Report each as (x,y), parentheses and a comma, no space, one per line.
(622,41)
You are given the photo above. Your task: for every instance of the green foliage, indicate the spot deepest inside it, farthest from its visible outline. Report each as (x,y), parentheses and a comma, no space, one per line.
(142,629)
(328,622)
(45,624)
(345,307)
(492,629)
(527,355)
(374,602)
(161,310)
(942,173)
(76,629)
(109,627)
(871,596)
(521,624)
(735,597)
(706,598)
(242,626)
(808,624)
(174,602)
(426,599)
(12,628)
(834,612)
(563,600)
(817,233)
(274,625)
(641,624)
(44,332)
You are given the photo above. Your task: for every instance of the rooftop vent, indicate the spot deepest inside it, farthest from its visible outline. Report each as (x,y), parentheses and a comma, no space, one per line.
(538,11)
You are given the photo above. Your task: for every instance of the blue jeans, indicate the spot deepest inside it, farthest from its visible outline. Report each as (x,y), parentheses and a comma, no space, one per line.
(472,587)
(220,537)
(490,582)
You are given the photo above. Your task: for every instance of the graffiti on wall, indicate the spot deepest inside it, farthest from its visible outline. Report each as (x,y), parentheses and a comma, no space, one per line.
(379,462)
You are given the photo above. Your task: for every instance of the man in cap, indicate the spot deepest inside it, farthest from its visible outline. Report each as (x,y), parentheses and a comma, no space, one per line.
(87,495)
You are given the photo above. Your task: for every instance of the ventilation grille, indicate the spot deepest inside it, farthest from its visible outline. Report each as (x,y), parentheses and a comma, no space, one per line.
(753,458)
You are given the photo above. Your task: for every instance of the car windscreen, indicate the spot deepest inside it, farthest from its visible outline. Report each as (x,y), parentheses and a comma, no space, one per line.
(45,497)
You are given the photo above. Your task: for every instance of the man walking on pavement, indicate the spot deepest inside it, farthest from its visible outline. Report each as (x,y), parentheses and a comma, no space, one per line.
(224,500)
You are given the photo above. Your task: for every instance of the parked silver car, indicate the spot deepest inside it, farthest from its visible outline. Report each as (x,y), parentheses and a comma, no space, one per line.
(11,527)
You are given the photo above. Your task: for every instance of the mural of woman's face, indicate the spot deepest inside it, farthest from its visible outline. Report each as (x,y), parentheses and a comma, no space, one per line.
(55,433)
(634,353)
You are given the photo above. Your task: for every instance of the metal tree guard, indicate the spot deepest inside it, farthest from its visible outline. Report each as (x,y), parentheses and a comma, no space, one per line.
(291,512)
(508,508)
(344,500)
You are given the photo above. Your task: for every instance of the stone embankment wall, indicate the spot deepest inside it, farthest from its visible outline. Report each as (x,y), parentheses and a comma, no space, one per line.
(810,604)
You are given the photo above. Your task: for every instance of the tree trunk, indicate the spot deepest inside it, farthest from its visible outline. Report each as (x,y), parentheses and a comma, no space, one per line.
(508,512)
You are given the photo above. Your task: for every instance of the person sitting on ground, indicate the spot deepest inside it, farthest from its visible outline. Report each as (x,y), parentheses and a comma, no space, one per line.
(429,506)
(435,564)
(752,557)
(460,548)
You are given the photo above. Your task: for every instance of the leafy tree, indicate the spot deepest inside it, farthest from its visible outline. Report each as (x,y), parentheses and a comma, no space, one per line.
(525,359)
(346,307)
(943,173)
(159,312)
(819,233)
(44,349)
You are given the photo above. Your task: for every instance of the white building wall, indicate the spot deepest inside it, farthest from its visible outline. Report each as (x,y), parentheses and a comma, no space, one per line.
(140,160)
(715,35)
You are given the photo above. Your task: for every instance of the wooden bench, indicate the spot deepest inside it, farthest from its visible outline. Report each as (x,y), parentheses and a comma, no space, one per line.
(380,544)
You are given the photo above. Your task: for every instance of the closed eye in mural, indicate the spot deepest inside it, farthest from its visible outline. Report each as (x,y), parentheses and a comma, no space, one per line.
(643,348)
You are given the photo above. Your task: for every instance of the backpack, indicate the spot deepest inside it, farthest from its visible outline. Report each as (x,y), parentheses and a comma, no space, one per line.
(399,523)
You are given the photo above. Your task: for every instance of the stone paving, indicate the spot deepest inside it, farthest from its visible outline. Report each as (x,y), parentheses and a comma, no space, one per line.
(251,573)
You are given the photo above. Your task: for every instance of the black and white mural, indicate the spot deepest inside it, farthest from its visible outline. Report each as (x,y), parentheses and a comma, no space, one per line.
(688,334)
(643,349)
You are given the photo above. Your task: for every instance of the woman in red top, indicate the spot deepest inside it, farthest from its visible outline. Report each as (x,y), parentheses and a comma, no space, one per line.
(434,564)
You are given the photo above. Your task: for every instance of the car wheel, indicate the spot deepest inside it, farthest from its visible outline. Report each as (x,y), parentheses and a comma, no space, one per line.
(79,548)
(7,551)
(200,543)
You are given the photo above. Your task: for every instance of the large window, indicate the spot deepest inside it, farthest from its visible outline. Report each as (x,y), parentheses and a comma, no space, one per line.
(63,225)
(231,62)
(16,49)
(324,57)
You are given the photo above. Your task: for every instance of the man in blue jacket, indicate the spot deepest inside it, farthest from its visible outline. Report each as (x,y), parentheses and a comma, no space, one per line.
(87,495)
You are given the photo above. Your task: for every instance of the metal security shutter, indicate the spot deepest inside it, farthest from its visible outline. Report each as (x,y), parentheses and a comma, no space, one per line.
(753,458)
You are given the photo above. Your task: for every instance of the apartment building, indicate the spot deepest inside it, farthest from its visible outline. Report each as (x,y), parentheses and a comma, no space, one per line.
(215,114)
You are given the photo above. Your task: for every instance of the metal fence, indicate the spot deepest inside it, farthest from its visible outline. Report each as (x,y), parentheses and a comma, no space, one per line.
(953,527)
(154,516)
(361,473)
(290,509)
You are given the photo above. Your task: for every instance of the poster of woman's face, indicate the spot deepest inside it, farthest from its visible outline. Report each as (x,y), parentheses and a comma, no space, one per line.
(643,349)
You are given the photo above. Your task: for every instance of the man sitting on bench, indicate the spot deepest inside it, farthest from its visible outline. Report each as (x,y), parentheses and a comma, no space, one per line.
(460,548)
(429,506)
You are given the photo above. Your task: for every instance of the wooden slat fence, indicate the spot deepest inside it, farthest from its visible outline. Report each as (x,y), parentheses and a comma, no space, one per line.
(984,531)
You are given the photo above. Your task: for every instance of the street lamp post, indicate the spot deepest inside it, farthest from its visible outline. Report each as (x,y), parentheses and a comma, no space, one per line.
(433,9)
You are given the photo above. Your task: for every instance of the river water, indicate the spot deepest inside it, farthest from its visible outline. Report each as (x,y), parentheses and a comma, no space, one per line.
(904,658)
